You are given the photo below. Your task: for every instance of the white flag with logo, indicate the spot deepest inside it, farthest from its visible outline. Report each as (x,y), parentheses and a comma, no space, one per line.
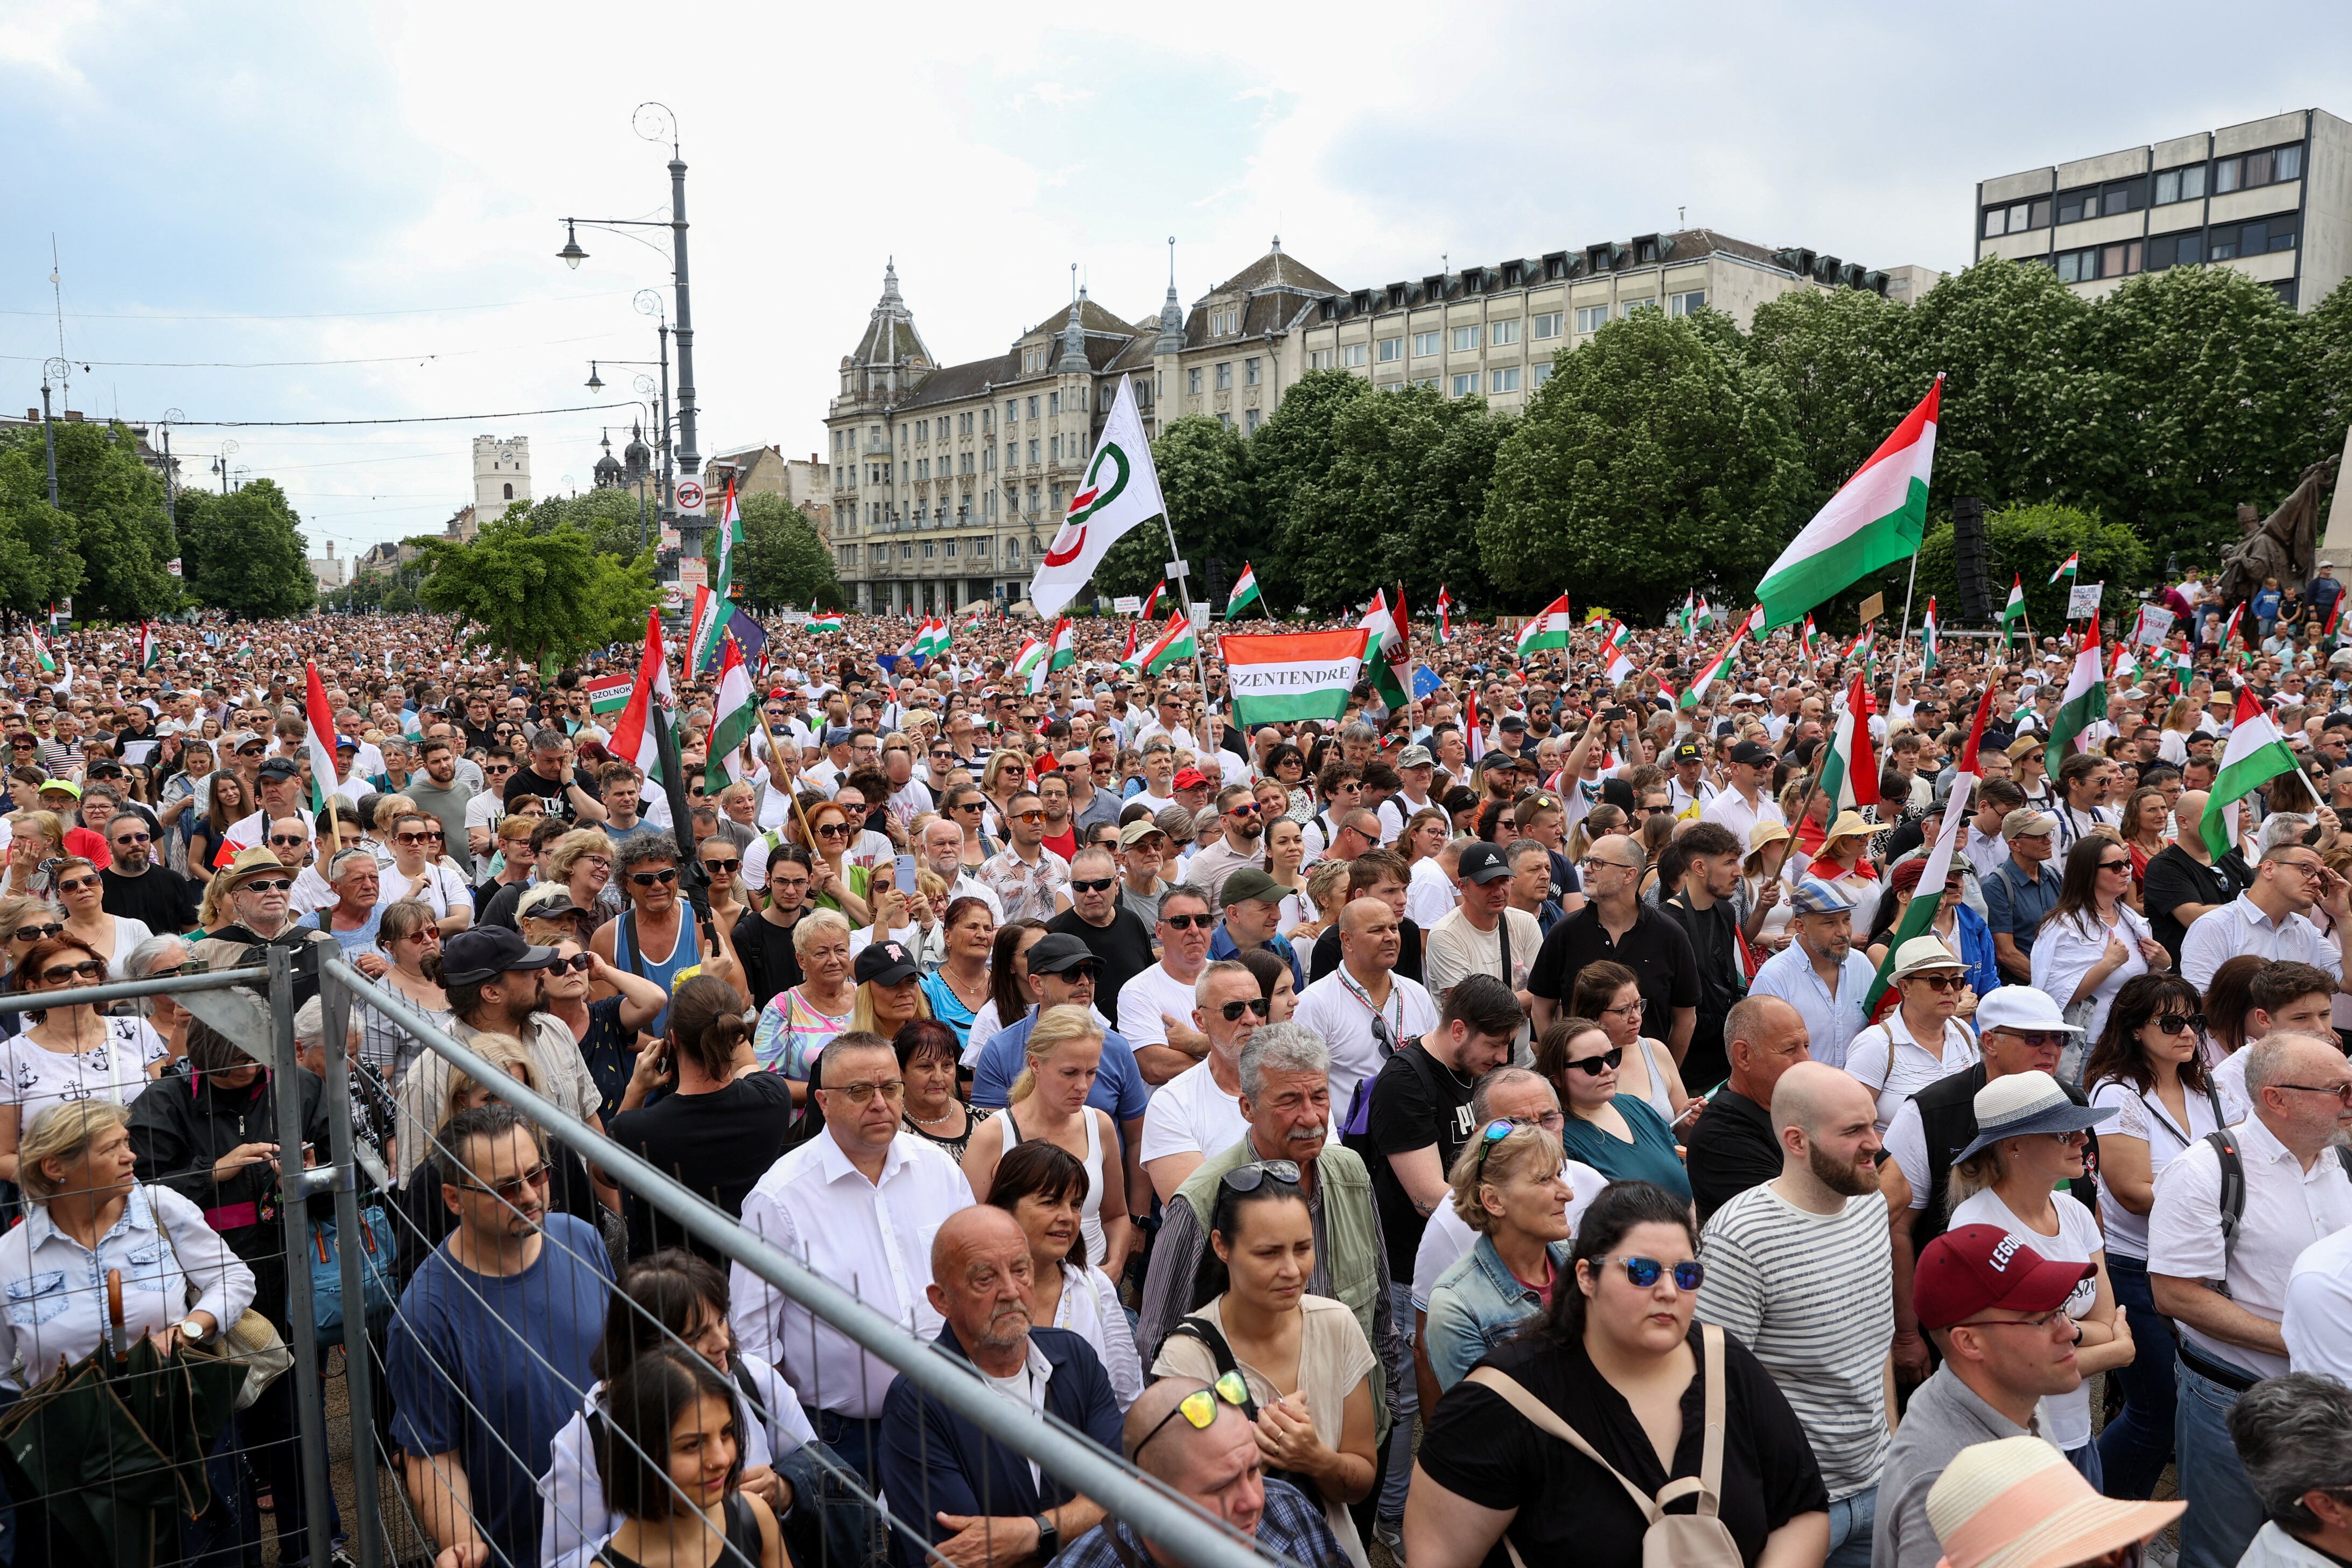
(1120,489)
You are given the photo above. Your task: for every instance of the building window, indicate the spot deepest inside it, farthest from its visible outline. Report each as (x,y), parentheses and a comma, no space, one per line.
(1249,421)
(510,492)
(1466,385)
(1466,338)
(1630,306)
(979,547)
(1428,382)
(1392,349)
(2267,168)
(1505,379)
(1547,325)
(930,550)
(1505,332)
(1353,354)
(952,549)
(1542,374)
(1056,450)
(1589,317)
(2175,250)
(1319,358)
(1033,408)
(1424,344)
(1221,321)
(1012,410)
(2256,238)
(1225,421)
(849,555)
(1192,381)
(906,553)
(1225,375)
(1011,550)
(1683,304)
(1250,376)
(2016,217)
(1033,453)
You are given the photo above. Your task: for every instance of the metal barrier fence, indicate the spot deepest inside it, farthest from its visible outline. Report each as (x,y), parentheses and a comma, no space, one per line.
(255,1008)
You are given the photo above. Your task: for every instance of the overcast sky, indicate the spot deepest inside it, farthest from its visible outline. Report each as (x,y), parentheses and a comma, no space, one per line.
(348,212)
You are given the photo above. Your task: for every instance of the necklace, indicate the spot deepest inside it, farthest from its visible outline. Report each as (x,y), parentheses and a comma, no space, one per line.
(945,1115)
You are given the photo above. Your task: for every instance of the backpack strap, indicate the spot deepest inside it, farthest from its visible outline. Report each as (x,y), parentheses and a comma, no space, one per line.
(751,1401)
(2232,1199)
(1707,1485)
(1545,1419)
(1209,1335)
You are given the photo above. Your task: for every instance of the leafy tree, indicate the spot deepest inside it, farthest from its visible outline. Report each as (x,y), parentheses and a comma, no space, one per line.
(1204,476)
(782,561)
(1654,459)
(1400,499)
(2029,543)
(114,518)
(38,564)
(243,552)
(610,518)
(1291,451)
(1840,356)
(546,597)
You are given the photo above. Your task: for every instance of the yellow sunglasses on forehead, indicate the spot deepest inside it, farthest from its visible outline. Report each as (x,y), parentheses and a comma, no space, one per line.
(1199,1408)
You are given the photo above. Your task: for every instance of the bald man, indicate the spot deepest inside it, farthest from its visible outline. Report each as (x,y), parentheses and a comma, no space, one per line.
(939,1467)
(1364,1010)
(1615,925)
(1802,1271)
(1182,1433)
(1733,1146)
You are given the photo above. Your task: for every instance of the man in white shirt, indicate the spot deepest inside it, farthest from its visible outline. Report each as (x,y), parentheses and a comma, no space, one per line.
(2269,918)
(1688,793)
(1363,1010)
(859,1204)
(1240,841)
(1474,938)
(1153,1006)
(1198,1113)
(2318,1307)
(2296,1192)
(1744,802)
(1167,722)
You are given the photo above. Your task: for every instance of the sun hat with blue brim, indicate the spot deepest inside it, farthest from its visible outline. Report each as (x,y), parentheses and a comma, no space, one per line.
(2023,1103)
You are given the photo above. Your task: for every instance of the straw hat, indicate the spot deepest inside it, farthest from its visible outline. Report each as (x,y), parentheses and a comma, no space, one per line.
(1921,954)
(1763,835)
(2016,1502)
(1849,825)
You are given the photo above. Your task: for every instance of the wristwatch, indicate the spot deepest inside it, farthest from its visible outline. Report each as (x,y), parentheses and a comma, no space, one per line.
(193,1329)
(1049,1536)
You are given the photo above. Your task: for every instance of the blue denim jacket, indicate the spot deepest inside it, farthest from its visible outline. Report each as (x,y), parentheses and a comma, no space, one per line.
(1475,1306)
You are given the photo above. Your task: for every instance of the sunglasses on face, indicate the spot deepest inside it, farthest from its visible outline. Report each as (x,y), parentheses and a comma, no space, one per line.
(88,969)
(2181,1023)
(1941,983)
(1187,922)
(730,867)
(510,1190)
(1199,1408)
(286,841)
(1026,816)
(35,933)
(578,963)
(424,838)
(1092,884)
(1645,1272)
(2038,1038)
(834,830)
(1594,1066)
(652,878)
(268,885)
(1257,1005)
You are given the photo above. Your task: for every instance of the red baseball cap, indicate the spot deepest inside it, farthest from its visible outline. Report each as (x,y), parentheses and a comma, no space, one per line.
(1979,1266)
(1190,778)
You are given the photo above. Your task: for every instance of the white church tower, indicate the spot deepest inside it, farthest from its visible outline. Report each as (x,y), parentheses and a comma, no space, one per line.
(501,476)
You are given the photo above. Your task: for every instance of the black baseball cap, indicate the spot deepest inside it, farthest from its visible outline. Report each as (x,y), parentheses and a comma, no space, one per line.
(279,768)
(1753,753)
(483,953)
(1057,952)
(885,963)
(1690,752)
(1483,863)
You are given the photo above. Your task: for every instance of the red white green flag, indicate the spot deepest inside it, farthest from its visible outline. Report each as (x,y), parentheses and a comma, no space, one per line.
(1174,645)
(150,652)
(1616,656)
(1065,645)
(1849,769)
(1276,679)
(1548,628)
(1444,617)
(734,716)
(326,775)
(2256,754)
(1875,519)
(1920,915)
(2086,698)
(1244,594)
(634,738)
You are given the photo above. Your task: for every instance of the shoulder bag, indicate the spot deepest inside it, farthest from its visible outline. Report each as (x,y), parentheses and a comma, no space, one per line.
(1699,1540)
(252,1341)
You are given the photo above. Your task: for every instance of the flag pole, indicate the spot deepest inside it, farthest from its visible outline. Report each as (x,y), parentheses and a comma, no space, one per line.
(1179,569)
(1902,643)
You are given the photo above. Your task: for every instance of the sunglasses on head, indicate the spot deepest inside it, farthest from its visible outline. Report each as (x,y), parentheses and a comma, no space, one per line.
(1645,1272)
(1249,1178)
(1199,1408)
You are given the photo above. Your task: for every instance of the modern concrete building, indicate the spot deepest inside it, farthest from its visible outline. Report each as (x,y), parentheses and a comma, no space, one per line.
(2272,198)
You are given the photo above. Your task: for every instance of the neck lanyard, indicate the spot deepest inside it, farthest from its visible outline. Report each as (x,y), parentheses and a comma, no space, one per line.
(1396,1028)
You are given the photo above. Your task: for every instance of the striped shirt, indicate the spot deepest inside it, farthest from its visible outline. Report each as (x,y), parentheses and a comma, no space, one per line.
(1809,1294)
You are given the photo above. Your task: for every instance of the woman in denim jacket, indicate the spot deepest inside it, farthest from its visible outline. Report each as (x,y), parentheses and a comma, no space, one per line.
(1507,1186)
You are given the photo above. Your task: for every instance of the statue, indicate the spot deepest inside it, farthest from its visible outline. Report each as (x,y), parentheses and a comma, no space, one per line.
(2284,545)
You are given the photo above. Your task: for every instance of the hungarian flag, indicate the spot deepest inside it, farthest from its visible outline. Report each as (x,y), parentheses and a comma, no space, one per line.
(2086,698)
(1810,640)
(703,623)
(1244,594)
(1127,654)
(1617,661)
(1875,520)
(1683,620)
(1850,770)
(935,638)
(326,773)
(607,693)
(1696,692)
(1276,679)
(1548,628)
(829,622)
(2070,567)
(150,654)
(1705,616)
(704,648)
(1927,637)
(633,737)
(2012,615)
(1175,645)
(1151,604)
(2127,665)
(2255,754)
(2334,610)
(1444,617)
(49,664)
(1920,915)
(243,651)
(1474,729)
(734,716)
(1030,656)
(1065,646)
(1385,638)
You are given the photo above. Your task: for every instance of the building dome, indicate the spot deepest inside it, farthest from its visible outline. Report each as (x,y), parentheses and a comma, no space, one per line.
(637,459)
(608,468)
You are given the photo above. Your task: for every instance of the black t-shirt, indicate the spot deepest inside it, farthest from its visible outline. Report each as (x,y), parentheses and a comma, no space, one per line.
(717,1145)
(1656,950)
(1325,956)
(2174,879)
(160,896)
(765,950)
(1123,946)
(1732,1148)
(525,780)
(1570,1509)
(1417,1100)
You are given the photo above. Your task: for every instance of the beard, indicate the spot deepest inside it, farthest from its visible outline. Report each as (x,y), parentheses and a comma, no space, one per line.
(1846,1179)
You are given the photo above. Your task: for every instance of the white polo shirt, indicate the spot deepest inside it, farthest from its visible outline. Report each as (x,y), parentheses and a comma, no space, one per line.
(2240,926)
(2319,1306)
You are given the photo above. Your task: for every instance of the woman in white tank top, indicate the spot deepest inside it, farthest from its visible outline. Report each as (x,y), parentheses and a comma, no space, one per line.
(1608,994)
(1048,1104)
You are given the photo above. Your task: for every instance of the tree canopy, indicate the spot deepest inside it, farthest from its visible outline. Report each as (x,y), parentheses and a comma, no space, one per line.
(110,537)
(243,552)
(782,563)
(546,597)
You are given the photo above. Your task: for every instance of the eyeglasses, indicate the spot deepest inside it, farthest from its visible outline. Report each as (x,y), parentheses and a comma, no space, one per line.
(1257,1005)
(968,806)
(863,1094)
(1940,983)
(1187,922)
(268,885)
(1092,884)
(1633,1010)
(76,884)
(1645,1272)
(35,933)
(424,838)
(2342,1091)
(2309,871)
(1199,1408)
(1594,862)
(88,969)
(1611,1058)
(1249,1178)
(508,1191)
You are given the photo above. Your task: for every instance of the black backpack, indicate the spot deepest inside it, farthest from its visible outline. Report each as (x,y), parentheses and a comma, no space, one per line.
(2233,1192)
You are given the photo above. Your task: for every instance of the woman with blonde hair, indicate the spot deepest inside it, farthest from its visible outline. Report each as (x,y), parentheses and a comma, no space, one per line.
(25,919)
(1048,1104)
(889,989)
(581,862)
(2179,724)
(82,892)
(36,838)
(1327,885)
(1509,1188)
(798,1021)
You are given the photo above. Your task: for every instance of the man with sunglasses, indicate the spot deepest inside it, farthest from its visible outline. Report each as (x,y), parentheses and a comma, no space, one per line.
(2224,1280)
(137,888)
(2272,919)
(1198,1111)
(1120,942)
(655,936)
(1240,842)
(1031,881)
(1997,1309)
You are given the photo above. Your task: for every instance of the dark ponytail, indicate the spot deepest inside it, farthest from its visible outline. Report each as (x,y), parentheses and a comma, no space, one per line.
(1213,1278)
(707,1025)
(1620,1207)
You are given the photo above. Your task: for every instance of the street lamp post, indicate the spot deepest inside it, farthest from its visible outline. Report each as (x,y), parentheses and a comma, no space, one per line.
(58,369)
(655,122)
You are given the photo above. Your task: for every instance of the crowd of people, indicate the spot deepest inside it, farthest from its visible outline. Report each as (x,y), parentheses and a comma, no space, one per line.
(1521,1120)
